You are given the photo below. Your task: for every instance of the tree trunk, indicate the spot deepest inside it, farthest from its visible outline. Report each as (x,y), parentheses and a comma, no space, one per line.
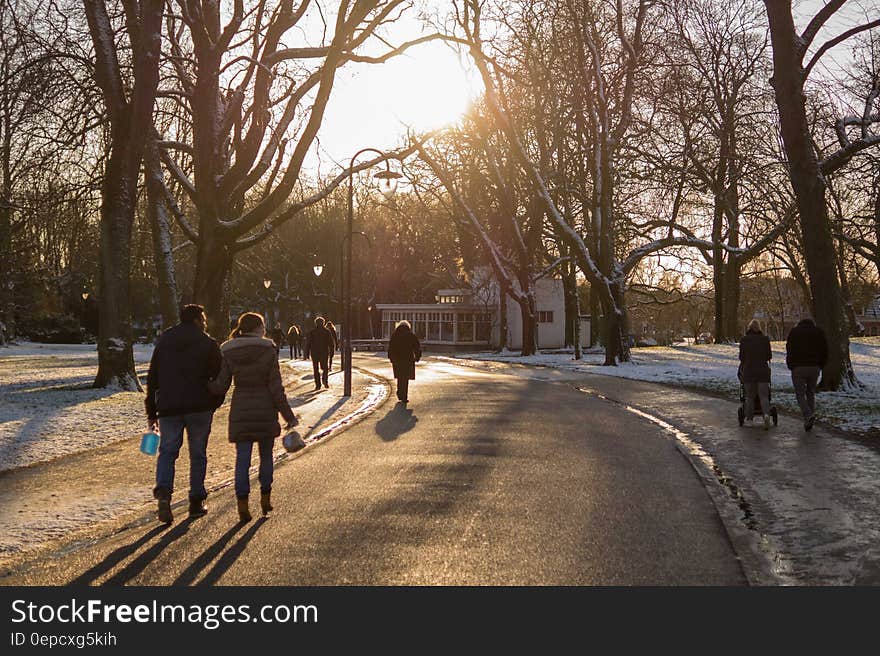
(596,323)
(718,265)
(7,289)
(115,354)
(809,189)
(213,264)
(529,325)
(160,227)
(569,283)
(731,293)
(502,310)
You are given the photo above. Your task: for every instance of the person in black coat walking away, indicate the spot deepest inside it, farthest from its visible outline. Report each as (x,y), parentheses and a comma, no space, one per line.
(333,344)
(250,359)
(806,352)
(404,351)
(294,340)
(754,357)
(184,361)
(277,336)
(318,345)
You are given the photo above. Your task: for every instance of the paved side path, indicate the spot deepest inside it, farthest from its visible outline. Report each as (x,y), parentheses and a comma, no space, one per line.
(93,492)
(809,500)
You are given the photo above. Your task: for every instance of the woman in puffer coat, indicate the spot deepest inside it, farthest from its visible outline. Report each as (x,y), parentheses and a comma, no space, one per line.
(251,360)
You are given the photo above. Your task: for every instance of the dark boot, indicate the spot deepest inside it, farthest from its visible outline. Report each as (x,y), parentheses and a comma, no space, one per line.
(164,513)
(265,502)
(197,508)
(244,513)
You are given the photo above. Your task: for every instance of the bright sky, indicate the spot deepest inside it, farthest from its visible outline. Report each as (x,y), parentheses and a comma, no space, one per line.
(373,104)
(430,86)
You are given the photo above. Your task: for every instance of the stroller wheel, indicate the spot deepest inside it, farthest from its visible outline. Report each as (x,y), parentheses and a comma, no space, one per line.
(775,415)
(741,415)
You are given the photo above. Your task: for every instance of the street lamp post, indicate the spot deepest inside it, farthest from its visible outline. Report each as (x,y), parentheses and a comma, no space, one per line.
(388,175)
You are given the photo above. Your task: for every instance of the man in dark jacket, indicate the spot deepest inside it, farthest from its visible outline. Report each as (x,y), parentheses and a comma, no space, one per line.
(318,344)
(806,352)
(755,356)
(184,360)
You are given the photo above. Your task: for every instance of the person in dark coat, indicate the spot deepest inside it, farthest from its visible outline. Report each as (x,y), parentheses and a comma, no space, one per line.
(754,357)
(184,361)
(277,336)
(318,345)
(806,353)
(294,340)
(251,361)
(404,351)
(334,343)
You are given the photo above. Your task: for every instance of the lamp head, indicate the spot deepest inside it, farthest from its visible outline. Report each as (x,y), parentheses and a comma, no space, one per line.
(85,296)
(267,283)
(318,269)
(389,180)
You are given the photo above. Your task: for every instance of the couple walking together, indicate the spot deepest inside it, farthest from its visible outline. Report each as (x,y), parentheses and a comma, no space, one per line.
(188,380)
(806,353)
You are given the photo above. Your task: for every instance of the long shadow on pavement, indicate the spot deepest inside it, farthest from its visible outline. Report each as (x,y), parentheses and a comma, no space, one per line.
(116,557)
(329,412)
(398,421)
(139,564)
(231,555)
(190,573)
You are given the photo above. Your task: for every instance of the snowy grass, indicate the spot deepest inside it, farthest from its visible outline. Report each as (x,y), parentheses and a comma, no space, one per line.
(47,406)
(712,367)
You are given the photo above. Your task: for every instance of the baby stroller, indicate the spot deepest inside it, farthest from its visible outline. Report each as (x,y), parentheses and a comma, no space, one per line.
(756,402)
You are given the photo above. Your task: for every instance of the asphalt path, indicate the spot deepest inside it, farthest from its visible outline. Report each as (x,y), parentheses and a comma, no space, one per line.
(485,478)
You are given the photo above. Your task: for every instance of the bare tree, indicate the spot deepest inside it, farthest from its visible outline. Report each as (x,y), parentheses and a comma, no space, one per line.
(253,106)
(807,173)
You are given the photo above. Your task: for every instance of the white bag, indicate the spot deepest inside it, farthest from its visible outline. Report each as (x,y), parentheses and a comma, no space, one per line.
(293,442)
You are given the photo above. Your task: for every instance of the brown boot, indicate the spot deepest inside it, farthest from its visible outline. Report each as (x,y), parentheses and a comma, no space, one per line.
(164,513)
(265,502)
(244,514)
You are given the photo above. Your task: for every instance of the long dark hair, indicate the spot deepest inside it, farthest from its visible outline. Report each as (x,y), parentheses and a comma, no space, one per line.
(248,322)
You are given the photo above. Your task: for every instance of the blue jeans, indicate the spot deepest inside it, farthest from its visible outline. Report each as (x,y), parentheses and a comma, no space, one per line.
(198,428)
(243,451)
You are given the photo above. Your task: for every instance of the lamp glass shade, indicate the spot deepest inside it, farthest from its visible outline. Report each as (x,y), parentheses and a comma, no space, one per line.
(85,295)
(267,283)
(318,269)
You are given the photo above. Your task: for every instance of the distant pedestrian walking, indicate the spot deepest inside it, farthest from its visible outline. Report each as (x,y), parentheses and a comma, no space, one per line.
(404,351)
(294,341)
(334,343)
(251,361)
(318,345)
(806,353)
(754,357)
(184,361)
(277,336)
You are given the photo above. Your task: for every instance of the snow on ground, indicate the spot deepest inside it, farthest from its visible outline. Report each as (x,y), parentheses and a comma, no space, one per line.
(712,367)
(47,408)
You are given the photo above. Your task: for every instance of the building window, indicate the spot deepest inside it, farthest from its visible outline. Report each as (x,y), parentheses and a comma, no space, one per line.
(545,316)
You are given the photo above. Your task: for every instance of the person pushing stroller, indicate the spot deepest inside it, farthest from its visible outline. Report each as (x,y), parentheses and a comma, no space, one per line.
(754,371)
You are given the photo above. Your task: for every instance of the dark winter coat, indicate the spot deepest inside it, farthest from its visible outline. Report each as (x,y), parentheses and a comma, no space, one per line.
(755,356)
(404,351)
(258,395)
(806,346)
(277,336)
(293,335)
(319,343)
(183,362)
